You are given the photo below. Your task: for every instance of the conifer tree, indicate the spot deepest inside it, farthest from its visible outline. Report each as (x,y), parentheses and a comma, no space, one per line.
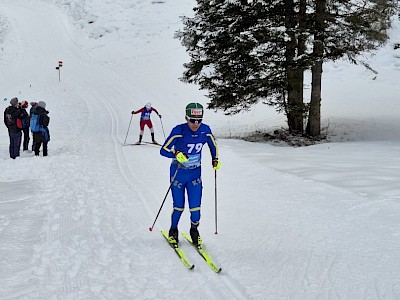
(343,29)
(246,51)
(240,54)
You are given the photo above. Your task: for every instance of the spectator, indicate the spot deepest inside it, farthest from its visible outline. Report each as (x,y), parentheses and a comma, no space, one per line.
(25,125)
(42,136)
(12,120)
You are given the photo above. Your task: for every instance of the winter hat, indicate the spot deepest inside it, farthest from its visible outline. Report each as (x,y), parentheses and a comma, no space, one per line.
(194,110)
(24,104)
(148,104)
(42,104)
(14,101)
(34,104)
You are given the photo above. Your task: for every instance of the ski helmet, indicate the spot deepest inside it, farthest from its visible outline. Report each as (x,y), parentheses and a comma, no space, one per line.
(194,110)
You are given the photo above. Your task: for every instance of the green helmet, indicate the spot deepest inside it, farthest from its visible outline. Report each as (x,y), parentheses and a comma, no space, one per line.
(194,110)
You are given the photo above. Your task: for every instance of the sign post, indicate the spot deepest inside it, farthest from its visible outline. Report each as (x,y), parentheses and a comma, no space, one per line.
(60,64)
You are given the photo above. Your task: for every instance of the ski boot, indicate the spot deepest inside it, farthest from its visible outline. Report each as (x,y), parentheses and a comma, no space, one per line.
(140,140)
(196,239)
(152,139)
(173,236)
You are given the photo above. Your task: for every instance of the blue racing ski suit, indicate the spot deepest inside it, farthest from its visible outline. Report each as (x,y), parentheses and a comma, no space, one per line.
(188,177)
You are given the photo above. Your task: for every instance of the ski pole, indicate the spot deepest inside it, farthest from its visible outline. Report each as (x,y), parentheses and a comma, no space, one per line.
(162,126)
(215,184)
(128,129)
(162,204)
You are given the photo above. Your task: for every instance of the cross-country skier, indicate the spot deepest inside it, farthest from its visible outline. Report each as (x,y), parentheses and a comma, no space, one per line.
(145,120)
(184,145)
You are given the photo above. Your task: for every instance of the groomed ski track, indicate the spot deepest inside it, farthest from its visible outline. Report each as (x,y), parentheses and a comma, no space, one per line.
(91,243)
(317,222)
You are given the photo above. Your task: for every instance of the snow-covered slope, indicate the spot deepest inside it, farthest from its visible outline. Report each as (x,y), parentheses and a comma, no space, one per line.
(294,223)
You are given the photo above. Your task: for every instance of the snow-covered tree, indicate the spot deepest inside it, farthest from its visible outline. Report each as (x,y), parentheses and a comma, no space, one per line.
(233,56)
(246,51)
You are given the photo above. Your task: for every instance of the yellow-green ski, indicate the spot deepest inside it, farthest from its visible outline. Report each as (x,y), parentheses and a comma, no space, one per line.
(203,254)
(178,251)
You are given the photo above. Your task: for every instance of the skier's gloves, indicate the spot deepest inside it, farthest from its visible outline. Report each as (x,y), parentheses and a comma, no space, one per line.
(159,116)
(181,157)
(133,112)
(216,164)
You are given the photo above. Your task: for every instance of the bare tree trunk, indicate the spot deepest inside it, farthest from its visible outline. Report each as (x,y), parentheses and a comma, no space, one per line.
(301,49)
(314,116)
(295,101)
(294,109)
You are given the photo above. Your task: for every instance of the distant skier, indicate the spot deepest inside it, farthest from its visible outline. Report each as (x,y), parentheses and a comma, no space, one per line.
(184,146)
(145,120)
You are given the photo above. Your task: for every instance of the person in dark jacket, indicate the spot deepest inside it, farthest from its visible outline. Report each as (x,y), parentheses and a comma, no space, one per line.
(43,136)
(12,120)
(25,125)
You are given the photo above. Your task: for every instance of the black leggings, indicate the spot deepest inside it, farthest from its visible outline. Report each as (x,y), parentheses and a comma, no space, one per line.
(38,141)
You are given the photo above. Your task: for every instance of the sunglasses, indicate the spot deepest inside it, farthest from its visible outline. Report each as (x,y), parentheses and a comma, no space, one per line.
(195,121)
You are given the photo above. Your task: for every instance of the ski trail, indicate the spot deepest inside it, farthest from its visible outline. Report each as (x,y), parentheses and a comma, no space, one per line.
(90,229)
(92,242)
(81,237)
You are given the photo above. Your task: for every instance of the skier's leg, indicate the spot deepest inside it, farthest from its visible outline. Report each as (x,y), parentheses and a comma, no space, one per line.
(195,190)
(178,196)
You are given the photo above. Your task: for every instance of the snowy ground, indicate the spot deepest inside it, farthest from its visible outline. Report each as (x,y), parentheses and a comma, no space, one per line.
(319,222)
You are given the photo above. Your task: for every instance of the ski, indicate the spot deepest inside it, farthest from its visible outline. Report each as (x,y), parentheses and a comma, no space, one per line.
(143,143)
(203,254)
(179,252)
(151,143)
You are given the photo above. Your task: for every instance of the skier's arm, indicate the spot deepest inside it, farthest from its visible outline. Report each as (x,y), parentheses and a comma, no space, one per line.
(216,164)
(212,144)
(138,111)
(167,149)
